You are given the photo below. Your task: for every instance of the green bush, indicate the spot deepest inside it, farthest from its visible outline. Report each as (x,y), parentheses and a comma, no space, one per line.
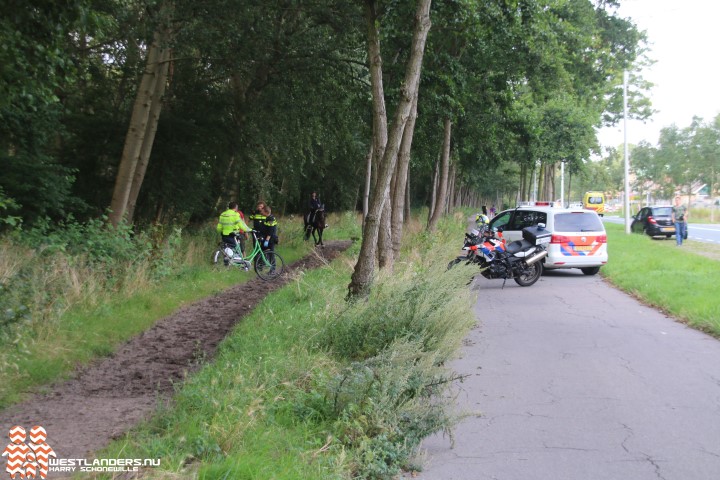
(392,394)
(386,405)
(7,206)
(416,306)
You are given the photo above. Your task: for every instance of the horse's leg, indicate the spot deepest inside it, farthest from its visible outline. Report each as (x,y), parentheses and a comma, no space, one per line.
(313,235)
(320,232)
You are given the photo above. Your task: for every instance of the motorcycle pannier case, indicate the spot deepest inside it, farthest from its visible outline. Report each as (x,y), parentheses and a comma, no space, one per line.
(536,236)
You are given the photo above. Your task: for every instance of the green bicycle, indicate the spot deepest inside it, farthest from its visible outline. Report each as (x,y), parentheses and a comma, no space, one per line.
(268,265)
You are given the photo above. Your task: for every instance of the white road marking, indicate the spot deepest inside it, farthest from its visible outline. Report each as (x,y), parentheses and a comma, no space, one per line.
(703,228)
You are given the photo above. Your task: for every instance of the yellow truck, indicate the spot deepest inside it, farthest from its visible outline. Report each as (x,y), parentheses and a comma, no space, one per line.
(594,201)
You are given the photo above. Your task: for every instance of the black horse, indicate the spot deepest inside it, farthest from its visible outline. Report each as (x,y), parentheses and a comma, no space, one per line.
(317,225)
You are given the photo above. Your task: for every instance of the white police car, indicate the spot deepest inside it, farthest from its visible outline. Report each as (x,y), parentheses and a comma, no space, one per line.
(578,237)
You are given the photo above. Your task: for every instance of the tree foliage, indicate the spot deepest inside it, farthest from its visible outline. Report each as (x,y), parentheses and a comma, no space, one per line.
(683,157)
(271,99)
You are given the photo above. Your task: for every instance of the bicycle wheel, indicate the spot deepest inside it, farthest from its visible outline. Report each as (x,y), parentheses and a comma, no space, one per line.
(219,258)
(270,267)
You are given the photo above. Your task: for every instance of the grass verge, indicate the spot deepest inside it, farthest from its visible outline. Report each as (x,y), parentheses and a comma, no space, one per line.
(674,279)
(310,386)
(85,315)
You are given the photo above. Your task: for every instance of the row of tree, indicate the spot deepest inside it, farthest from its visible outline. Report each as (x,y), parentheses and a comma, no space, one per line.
(537,75)
(163,110)
(682,157)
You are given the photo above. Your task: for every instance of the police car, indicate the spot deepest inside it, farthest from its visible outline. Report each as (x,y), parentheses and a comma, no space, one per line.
(578,237)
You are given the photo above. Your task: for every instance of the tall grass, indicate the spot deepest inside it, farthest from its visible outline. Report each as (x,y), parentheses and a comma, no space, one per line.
(311,386)
(69,296)
(705,214)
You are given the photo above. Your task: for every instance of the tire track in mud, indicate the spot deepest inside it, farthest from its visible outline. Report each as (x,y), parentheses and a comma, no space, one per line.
(111,395)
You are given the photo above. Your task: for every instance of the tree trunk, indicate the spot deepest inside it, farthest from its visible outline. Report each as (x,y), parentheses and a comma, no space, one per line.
(151,130)
(364,269)
(136,131)
(443,183)
(368,177)
(380,127)
(406,217)
(385,243)
(401,181)
(452,201)
(433,195)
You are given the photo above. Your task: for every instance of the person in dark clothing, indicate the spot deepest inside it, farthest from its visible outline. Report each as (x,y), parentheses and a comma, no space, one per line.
(266,225)
(314,205)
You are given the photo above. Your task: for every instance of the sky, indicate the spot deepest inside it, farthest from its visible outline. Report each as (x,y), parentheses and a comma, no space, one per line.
(684,39)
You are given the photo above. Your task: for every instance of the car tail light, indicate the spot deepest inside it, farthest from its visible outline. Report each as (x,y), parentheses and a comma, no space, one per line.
(652,220)
(601,238)
(559,239)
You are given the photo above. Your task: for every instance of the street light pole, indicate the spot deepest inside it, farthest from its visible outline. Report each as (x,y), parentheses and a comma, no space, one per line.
(627,163)
(535,181)
(562,183)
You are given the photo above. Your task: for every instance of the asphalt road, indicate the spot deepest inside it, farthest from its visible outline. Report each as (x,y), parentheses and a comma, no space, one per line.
(701,232)
(575,380)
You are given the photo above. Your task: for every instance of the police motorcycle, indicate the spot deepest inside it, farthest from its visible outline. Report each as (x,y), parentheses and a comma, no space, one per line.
(519,260)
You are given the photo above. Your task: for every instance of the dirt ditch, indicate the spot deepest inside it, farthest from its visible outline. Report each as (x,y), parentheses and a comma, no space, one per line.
(107,398)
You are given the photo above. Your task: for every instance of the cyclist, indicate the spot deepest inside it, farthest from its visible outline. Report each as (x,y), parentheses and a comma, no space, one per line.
(230,225)
(266,225)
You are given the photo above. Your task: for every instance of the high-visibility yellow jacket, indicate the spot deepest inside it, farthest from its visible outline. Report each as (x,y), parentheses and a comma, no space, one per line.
(230,221)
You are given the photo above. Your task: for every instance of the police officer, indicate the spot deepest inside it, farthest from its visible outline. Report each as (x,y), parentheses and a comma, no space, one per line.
(230,225)
(266,225)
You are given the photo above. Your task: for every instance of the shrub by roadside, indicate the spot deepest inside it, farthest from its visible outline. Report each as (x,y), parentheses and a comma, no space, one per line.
(46,272)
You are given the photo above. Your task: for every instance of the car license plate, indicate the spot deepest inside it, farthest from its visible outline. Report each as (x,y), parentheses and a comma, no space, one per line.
(667,229)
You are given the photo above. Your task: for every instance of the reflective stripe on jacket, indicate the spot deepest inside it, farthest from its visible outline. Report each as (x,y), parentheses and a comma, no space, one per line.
(262,220)
(267,226)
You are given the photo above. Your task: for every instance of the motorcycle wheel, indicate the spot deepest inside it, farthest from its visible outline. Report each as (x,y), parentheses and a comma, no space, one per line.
(530,276)
(454,262)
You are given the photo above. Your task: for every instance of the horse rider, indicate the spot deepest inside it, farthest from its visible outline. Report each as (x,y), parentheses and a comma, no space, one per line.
(315,204)
(266,225)
(230,225)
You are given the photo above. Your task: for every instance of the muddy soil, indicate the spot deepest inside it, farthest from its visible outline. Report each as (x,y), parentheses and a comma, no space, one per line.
(107,398)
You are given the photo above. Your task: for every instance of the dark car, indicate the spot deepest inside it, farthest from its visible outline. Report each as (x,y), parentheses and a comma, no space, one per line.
(656,221)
